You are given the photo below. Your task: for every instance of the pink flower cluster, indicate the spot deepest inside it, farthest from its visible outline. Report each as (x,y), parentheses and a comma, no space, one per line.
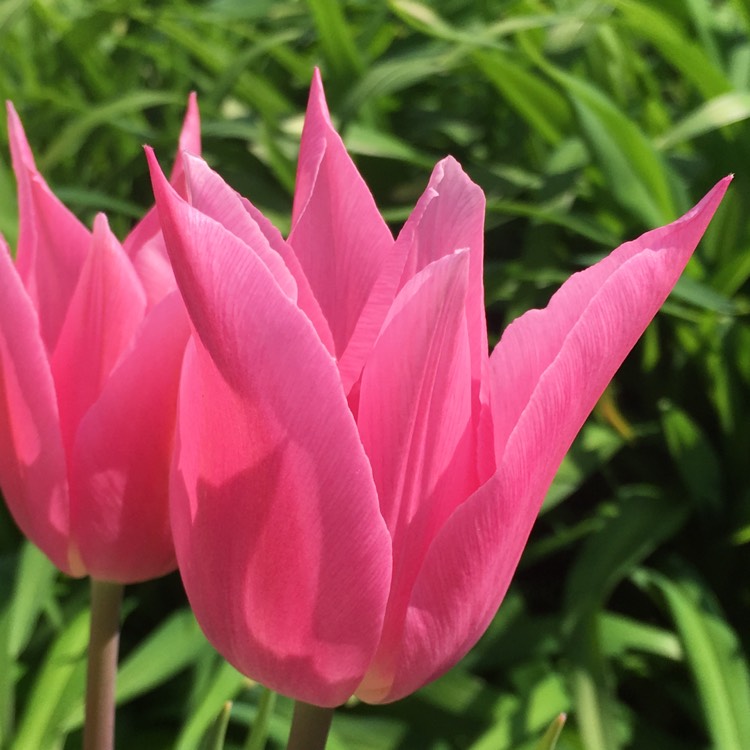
(346,476)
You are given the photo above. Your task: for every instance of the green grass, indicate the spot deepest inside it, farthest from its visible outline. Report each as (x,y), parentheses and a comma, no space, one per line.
(585,123)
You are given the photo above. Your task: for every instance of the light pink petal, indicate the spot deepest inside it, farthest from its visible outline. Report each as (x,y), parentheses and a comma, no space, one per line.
(556,362)
(190,142)
(592,322)
(416,423)
(337,232)
(463,580)
(450,216)
(52,243)
(122,456)
(210,195)
(305,297)
(280,541)
(33,473)
(106,309)
(151,264)
(144,244)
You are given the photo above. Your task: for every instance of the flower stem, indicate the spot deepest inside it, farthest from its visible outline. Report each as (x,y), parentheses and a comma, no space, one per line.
(310,725)
(104,638)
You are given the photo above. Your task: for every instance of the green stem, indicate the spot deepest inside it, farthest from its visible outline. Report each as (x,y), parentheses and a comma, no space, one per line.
(256,739)
(104,639)
(310,725)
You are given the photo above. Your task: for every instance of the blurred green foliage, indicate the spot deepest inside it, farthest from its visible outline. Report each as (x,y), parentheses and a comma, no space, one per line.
(586,123)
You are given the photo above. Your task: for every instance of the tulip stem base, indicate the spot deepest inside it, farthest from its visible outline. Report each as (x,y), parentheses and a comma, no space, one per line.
(310,725)
(104,640)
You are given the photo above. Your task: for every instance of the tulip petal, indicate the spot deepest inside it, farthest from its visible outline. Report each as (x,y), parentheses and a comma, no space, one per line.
(415,419)
(465,576)
(107,307)
(305,297)
(282,549)
(144,244)
(190,142)
(337,232)
(415,393)
(52,243)
(554,363)
(122,453)
(450,216)
(584,333)
(33,472)
(211,196)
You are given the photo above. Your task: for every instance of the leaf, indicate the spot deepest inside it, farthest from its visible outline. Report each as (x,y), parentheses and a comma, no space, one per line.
(214,738)
(57,689)
(725,109)
(336,38)
(636,525)
(552,735)
(648,21)
(694,457)
(540,104)
(72,136)
(714,654)
(224,685)
(628,161)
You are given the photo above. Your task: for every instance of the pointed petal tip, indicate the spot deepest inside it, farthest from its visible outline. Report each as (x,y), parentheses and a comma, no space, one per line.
(154,168)
(163,190)
(101,223)
(190,134)
(192,113)
(316,103)
(707,205)
(722,185)
(20,149)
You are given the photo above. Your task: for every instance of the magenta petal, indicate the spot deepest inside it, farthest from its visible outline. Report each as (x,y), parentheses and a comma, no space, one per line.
(190,142)
(212,197)
(337,232)
(552,365)
(122,454)
(106,309)
(305,297)
(448,217)
(52,243)
(547,373)
(33,472)
(416,423)
(415,395)
(462,581)
(144,244)
(280,541)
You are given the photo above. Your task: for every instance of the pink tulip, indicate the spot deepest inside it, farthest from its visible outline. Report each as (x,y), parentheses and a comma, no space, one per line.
(92,335)
(355,478)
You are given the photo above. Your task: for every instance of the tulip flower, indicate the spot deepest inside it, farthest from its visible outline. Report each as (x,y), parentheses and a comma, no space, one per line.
(355,478)
(92,335)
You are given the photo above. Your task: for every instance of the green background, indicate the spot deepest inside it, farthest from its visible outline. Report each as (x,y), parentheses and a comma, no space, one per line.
(586,123)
